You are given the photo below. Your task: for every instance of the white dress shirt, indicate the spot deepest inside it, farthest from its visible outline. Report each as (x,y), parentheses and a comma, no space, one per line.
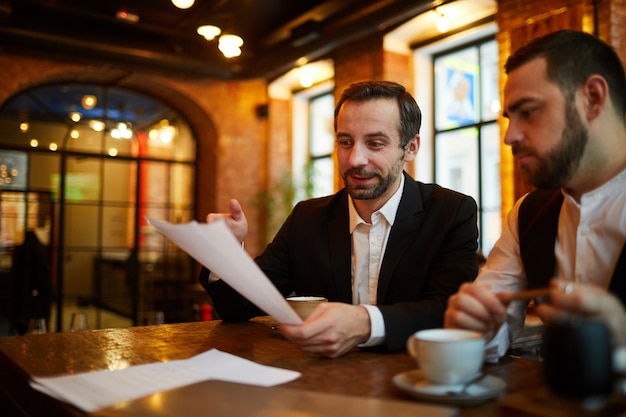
(369,241)
(590,238)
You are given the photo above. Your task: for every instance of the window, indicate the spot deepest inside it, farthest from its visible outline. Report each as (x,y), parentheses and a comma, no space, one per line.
(313,142)
(88,162)
(466,135)
(321,170)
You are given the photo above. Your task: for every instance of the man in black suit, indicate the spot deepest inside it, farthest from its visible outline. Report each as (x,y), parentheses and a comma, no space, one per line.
(387,251)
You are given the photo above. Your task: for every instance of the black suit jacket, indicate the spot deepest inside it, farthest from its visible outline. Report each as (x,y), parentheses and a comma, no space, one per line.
(431,250)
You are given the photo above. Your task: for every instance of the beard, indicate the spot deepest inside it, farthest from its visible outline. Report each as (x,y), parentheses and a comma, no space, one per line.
(556,168)
(369,192)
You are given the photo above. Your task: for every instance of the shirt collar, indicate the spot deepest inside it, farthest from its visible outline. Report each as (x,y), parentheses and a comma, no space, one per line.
(388,211)
(612,187)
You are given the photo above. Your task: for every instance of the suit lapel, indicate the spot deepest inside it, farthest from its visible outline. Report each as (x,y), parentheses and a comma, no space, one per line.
(408,220)
(618,282)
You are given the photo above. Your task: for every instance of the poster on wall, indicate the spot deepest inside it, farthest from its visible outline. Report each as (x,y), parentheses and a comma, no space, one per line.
(456,86)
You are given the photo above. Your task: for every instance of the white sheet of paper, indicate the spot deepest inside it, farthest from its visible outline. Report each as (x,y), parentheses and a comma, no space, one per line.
(215,247)
(92,391)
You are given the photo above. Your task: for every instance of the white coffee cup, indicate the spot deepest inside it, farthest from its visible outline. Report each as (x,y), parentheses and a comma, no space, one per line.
(448,356)
(304,305)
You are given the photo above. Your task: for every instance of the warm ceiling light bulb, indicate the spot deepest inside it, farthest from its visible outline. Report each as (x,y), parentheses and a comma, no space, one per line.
(97,125)
(306,79)
(183,4)
(209,32)
(230,51)
(89,102)
(231,40)
(230,45)
(75,116)
(443,24)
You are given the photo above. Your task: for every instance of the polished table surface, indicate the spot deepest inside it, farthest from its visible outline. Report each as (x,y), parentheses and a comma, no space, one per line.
(359,375)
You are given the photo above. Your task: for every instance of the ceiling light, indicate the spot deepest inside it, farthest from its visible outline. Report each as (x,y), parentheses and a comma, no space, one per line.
(24,126)
(88,102)
(75,116)
(209,32)
(183,4)
(306,79)
(230,45)
(442,22)
(97,125)
(122,131)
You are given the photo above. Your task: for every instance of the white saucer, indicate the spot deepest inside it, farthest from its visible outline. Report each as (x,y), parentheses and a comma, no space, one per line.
(417,385)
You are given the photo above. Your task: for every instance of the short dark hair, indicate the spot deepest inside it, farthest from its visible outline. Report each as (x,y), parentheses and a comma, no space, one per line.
(572,56)
(410,113)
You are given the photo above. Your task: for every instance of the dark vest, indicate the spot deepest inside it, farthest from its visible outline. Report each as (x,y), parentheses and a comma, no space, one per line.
(537,223)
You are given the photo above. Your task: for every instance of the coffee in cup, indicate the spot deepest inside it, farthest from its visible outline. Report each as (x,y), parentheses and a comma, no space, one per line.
(305,305)
(448,356)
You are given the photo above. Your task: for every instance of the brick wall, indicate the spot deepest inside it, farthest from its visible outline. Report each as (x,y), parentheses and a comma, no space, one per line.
(520,21)
(231,139)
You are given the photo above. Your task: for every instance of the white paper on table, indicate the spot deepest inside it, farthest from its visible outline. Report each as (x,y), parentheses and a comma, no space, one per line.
(92,391)
(215,247)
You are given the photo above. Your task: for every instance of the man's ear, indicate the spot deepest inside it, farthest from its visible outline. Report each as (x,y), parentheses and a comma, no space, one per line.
(595,92)
(412,148)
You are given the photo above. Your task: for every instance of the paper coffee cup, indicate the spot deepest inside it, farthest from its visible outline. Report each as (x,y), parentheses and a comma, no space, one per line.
(305,305)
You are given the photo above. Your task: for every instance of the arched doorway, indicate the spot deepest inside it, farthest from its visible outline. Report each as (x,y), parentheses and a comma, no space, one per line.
(85,163)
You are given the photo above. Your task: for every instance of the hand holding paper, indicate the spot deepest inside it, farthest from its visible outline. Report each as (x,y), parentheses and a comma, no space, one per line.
(215,247)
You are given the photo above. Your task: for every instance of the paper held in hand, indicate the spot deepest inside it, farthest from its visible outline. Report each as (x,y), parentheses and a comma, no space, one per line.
(215,247)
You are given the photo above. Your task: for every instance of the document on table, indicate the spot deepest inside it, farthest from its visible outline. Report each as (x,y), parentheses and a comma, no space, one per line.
(92,391)
(215,247)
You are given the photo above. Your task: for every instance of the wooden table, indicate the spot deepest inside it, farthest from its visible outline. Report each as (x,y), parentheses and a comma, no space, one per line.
(359,376)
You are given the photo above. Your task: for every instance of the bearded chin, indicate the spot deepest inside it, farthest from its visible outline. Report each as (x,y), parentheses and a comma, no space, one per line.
(364,193)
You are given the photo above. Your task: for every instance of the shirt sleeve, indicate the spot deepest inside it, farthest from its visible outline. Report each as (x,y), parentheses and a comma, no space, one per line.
(504,271)
(377,325)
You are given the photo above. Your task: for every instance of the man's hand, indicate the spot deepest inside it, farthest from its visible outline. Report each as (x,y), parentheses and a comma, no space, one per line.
(331,330)
(475,307)
(235,220)
(586,300)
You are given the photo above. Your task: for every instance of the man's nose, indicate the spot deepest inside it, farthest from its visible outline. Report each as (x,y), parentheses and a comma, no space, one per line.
(513,133)
(358,155)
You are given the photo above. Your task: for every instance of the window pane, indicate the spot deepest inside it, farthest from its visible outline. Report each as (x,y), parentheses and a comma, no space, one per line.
(490,102)
(12,222)
(456,86)
(81,226)
(117,227)
(457,161)
(119,184)
(13,170)
(44,174)
(83,138)
(322,140)
(82,180)
(156,191)
(181,185)
(491,225)
(322,177)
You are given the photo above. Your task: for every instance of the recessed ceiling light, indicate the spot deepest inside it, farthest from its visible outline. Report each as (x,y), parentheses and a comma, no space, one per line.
(183,4)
